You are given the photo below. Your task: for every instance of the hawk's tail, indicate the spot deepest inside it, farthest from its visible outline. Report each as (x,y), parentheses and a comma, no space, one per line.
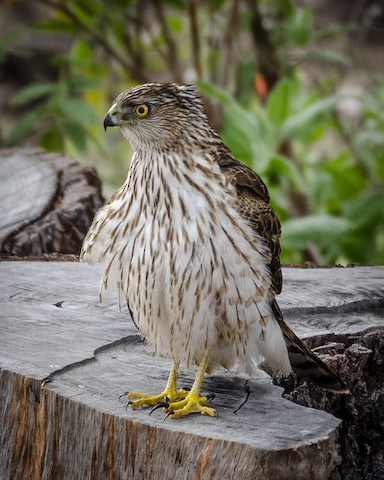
(304,362)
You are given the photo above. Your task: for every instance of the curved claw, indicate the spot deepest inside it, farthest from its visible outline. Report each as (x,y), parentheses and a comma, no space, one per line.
(124,394)
(210,397)
(127,405)
(45,381)
(169,414)
(159,405)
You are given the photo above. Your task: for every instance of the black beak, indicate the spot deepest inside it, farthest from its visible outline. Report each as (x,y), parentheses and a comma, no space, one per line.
(109,121)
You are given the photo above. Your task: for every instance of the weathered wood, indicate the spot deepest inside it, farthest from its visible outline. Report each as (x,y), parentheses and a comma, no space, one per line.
(74,426)
(48,202)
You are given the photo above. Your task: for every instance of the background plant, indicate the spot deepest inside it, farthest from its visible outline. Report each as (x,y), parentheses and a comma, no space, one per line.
(324,170)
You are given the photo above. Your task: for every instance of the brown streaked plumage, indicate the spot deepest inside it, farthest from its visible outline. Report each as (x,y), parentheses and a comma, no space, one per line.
(191,243)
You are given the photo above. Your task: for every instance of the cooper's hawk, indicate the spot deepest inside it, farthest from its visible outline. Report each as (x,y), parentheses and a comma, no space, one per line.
(192,244)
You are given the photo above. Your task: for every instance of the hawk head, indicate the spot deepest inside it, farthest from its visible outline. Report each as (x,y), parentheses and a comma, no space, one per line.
(159,114)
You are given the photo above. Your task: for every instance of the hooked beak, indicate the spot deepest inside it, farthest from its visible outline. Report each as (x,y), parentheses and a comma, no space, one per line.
(110,119)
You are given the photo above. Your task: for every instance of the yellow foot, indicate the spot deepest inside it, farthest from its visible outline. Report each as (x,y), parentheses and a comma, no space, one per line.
(145,400)
(192,403)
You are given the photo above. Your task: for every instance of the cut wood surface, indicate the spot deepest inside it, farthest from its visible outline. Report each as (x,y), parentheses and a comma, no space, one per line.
(48,202)
(74,427)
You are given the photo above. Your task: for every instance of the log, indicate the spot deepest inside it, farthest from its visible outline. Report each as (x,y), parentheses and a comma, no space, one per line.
(48,202)
(74,427)
(343,321)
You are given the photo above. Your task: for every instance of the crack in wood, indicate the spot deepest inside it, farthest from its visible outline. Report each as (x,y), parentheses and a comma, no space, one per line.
(56,202)
(47,209)
(78,426)
(130,339)
(364,305)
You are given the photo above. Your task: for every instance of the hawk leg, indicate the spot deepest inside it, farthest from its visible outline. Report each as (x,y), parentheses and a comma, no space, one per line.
(170,393)
(192,402)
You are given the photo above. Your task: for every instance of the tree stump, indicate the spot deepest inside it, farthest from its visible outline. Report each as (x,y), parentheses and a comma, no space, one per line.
(75,428)
(48,202)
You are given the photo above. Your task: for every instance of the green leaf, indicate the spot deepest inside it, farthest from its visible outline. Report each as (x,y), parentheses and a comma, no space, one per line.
(31,93)
(321,229)
(246,129)
(328,56)
(286,168)
(77,134)
(278,102)
(368,209)
(82,12)
(59,25)
(299,31)
(78,110)
(213,91)
(81,52)
(79,84)
(175,24)
(344,178)
(245,75)
(301,124)
(243,122)
(51,141)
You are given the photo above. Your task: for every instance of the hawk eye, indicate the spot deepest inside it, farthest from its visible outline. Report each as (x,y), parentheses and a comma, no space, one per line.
(141,110)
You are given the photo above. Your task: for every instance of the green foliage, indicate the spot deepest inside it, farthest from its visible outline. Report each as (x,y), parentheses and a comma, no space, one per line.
(59,116)
(329,199)
(296,37)
(342,218)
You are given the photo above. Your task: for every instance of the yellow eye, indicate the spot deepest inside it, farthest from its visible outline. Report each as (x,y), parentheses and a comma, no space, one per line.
(141,110)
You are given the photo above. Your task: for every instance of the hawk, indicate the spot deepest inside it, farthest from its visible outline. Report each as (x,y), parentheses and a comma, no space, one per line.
(191,243)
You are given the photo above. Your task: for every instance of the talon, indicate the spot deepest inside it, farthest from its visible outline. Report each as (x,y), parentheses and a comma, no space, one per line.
(127,405)
(192,403)
(124,394)
(159,405)
(45,381)
(143,400)
(177,403)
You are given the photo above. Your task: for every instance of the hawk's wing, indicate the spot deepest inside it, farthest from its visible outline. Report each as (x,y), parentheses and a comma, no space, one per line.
(253,204)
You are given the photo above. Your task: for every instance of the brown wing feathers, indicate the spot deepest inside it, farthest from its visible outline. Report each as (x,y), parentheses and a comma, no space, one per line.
(253,204)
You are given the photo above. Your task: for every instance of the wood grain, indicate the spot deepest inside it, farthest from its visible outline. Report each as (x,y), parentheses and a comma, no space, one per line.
(48,202)
(75,428)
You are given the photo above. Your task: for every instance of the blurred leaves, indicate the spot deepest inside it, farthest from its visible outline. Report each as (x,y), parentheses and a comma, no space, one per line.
(320,229)
(344,191)
(324,169)
(59,116)
(32,92)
